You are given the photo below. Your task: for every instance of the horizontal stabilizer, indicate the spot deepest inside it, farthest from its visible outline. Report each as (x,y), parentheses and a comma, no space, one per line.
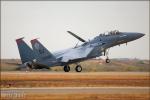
(15,64)
(79,38)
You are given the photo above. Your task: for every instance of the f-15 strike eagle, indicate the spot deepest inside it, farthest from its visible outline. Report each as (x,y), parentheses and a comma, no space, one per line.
(39,57)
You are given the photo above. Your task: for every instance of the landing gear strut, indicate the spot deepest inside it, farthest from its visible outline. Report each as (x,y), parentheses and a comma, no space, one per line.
(106,53)
(66,68)
(78,68)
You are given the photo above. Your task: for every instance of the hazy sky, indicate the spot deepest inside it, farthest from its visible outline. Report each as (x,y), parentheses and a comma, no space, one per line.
(49,21)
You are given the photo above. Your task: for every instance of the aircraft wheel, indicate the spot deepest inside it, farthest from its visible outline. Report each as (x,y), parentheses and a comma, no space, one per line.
(107,60)
(78,68)
(66,68)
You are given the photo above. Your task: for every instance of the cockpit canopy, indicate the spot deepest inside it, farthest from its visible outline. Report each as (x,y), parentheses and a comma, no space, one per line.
(115,32)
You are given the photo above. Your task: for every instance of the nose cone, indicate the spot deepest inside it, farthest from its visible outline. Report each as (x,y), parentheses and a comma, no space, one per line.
(130,36)
(134,36)
(138,35)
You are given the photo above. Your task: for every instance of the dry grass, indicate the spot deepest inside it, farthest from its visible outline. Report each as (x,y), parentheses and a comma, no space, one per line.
(93,65)
(37,96)
(39,79)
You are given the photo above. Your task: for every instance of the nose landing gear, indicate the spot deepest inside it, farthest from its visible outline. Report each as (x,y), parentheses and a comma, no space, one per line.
(107,60)
(106,53)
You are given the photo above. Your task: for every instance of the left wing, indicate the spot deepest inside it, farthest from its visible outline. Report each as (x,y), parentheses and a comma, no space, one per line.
(79,38)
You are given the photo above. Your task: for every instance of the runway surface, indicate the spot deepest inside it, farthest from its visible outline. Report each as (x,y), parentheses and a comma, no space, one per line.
(77,90)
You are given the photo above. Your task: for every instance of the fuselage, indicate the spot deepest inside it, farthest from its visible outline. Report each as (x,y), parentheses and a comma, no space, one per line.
(94,47)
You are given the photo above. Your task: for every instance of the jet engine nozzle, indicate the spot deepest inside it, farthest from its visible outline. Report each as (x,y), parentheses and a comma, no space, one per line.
(28,64)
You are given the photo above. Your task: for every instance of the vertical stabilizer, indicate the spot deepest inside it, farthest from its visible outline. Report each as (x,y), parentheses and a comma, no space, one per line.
(26,53)
(40,51)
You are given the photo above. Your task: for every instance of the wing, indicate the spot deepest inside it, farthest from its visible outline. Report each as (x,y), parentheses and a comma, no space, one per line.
(76,53)
(79,38)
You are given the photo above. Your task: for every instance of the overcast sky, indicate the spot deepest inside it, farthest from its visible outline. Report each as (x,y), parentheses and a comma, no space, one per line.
(49,21)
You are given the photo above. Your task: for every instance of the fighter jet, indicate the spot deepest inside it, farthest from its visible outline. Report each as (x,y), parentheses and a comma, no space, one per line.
(96,47)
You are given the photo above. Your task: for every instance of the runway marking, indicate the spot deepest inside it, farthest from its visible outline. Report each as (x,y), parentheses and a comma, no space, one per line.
(77,90)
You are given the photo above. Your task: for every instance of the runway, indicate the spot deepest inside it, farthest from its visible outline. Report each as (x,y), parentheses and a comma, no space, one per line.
(77,90)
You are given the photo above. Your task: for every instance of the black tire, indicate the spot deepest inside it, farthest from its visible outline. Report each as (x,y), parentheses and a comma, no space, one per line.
(78,68)
(107,60)
(66,68)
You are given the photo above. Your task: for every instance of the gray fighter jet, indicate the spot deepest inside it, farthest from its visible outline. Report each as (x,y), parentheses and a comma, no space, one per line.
(40,57)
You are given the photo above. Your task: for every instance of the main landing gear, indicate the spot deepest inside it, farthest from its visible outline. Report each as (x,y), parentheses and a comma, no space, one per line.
(78,68)
(66,68)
